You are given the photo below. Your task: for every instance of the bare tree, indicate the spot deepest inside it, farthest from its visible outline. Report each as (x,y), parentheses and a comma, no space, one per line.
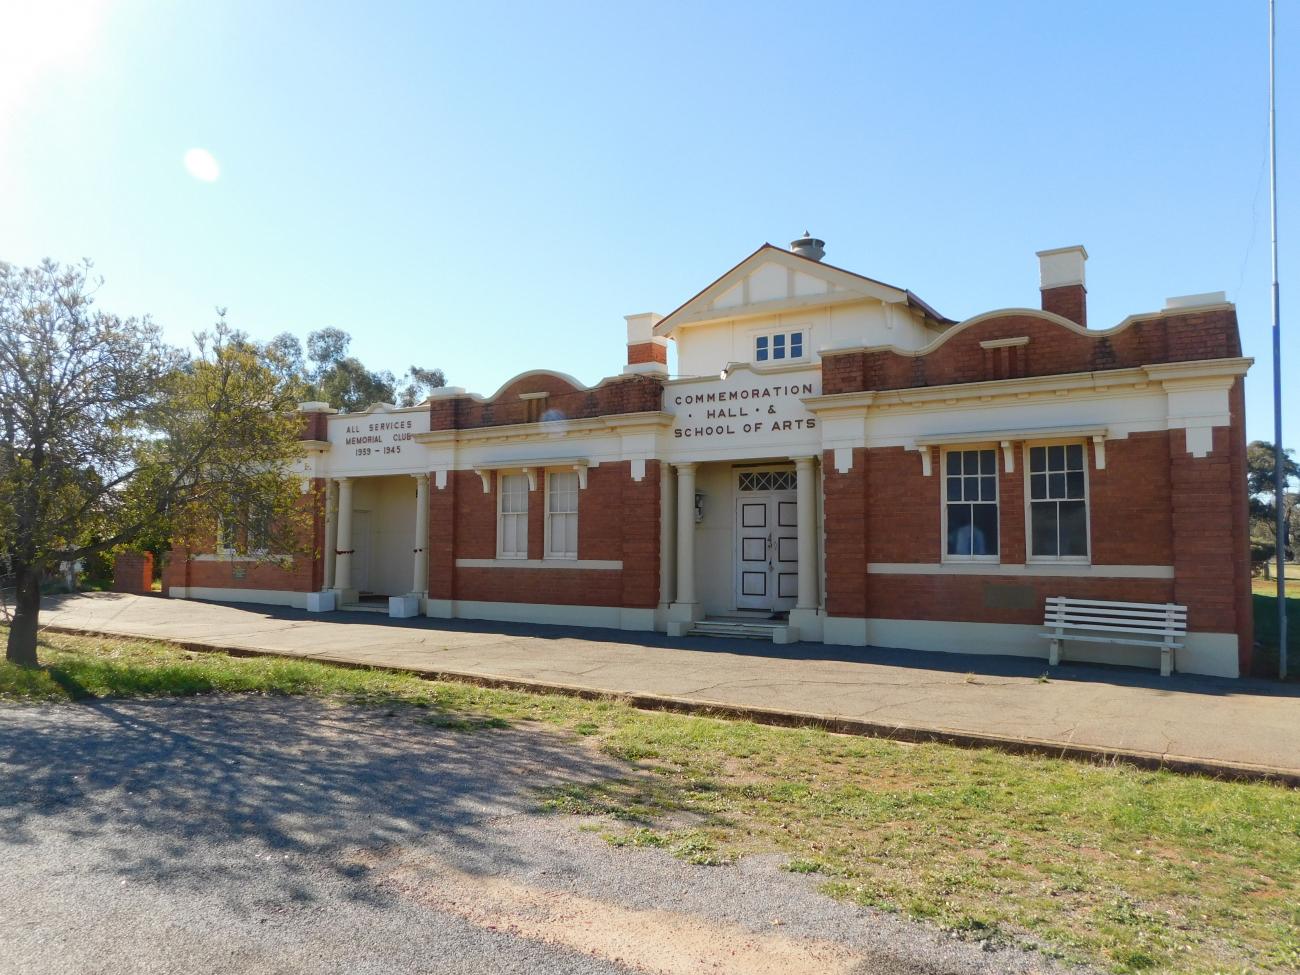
(108,435)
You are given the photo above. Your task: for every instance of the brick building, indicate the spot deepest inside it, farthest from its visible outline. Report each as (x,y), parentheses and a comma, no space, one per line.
(836,461)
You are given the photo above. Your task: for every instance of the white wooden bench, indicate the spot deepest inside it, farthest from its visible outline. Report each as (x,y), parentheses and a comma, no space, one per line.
(1161,625)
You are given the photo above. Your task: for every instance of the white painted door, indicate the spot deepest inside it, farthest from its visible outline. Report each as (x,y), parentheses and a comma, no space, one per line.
(767,541)
(361,550)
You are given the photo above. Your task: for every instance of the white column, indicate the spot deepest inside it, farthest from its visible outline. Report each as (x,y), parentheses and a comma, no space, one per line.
(343,540)
(805,484)
(685,534)
(331,531)
(420,582)
(667,535)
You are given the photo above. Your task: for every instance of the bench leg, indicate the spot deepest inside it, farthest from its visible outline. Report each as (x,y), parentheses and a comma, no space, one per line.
(1054,654)
(1166,661)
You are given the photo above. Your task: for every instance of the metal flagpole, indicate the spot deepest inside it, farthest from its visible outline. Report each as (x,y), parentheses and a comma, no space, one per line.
(1279,479)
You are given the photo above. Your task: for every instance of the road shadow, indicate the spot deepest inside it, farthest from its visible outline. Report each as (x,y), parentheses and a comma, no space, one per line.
(297,781)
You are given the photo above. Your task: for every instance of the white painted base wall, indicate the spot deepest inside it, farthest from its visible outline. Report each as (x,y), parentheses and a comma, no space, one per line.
(607,617)
(1211,654)
(269,597)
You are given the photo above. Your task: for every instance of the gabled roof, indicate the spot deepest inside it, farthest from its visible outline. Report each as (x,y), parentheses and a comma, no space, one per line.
(842,286)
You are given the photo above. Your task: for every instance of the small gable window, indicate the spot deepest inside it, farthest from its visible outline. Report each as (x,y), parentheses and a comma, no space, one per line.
(779,346)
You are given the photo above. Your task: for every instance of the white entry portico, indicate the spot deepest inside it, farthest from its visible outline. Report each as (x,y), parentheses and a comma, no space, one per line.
(743,450)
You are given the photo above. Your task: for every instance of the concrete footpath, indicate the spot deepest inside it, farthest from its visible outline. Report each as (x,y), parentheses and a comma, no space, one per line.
(1239,728)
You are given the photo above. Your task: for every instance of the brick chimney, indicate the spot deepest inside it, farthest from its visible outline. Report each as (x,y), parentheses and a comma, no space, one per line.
(647,353)
(1061,282)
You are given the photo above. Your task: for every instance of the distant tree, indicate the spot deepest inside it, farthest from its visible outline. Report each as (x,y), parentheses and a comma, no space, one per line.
(419,384)
(1263,498)
(109,437)
(345,383)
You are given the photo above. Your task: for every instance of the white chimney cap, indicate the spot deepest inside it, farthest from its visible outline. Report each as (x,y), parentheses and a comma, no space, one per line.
(315,407)
(1197,301)
(1061,266)
(640,328)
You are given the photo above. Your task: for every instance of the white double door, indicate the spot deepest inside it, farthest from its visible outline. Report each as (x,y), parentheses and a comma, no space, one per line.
(767,550)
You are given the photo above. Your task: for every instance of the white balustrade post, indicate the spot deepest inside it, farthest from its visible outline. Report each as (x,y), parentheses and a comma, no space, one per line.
(686,534)
(805,482)
(331,532)
(420,582)
(343,561)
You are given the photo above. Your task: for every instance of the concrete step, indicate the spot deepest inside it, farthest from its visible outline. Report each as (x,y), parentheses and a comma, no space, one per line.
(737,629)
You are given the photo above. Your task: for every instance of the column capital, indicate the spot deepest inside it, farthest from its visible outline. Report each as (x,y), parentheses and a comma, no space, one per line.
(343,480)
(421,477)
(689,465)
(804,461)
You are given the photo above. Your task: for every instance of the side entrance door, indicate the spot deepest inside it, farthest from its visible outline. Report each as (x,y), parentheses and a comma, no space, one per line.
(767,540)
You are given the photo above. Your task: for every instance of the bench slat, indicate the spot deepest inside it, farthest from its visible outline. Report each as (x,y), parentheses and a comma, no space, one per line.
(1161,611)
(1078,619)
(1156,644)
(1111,602)
(1094,614)
(1103,628)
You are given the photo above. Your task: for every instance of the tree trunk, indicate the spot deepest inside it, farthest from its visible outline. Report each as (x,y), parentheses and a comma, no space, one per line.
(27,614)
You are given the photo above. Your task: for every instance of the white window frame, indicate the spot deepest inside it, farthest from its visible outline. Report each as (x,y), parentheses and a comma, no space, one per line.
(502,515)
(805,333)
(549,552)
(943,501)
(228,551)
(1088,461)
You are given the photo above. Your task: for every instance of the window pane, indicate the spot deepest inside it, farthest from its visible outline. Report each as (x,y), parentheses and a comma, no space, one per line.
(1056,458)
(959,529)
(760,348)
(988,488)
(988,462)
(954,489)
(1074,484)
(762,354)
(1037,487)
(1037,459)
(1056,485)
(984,537)
(1042,519)
(971,491)
(970,461)
(571,534)
(1074,456)
(796,345)
(954,462)
(1074,528)
(778,346)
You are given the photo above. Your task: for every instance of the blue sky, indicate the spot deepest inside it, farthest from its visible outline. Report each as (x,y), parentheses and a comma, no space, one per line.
(489,188)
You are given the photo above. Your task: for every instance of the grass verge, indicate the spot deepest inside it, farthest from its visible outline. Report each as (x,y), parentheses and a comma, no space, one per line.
(1127,869)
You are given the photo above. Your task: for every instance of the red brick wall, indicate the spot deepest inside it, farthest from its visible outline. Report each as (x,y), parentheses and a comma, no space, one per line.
(133,572)
(845,507)
(1069,301)
(1210,538)
(1053,349)
(618,519)
(974,598)
(621,394)
(1154,504)
(299,573)
(647,352)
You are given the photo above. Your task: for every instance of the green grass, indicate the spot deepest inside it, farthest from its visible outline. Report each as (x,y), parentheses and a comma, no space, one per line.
(1128,869)
(1265,608)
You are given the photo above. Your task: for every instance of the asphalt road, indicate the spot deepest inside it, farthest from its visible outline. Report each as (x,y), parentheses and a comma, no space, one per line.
(247,834)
